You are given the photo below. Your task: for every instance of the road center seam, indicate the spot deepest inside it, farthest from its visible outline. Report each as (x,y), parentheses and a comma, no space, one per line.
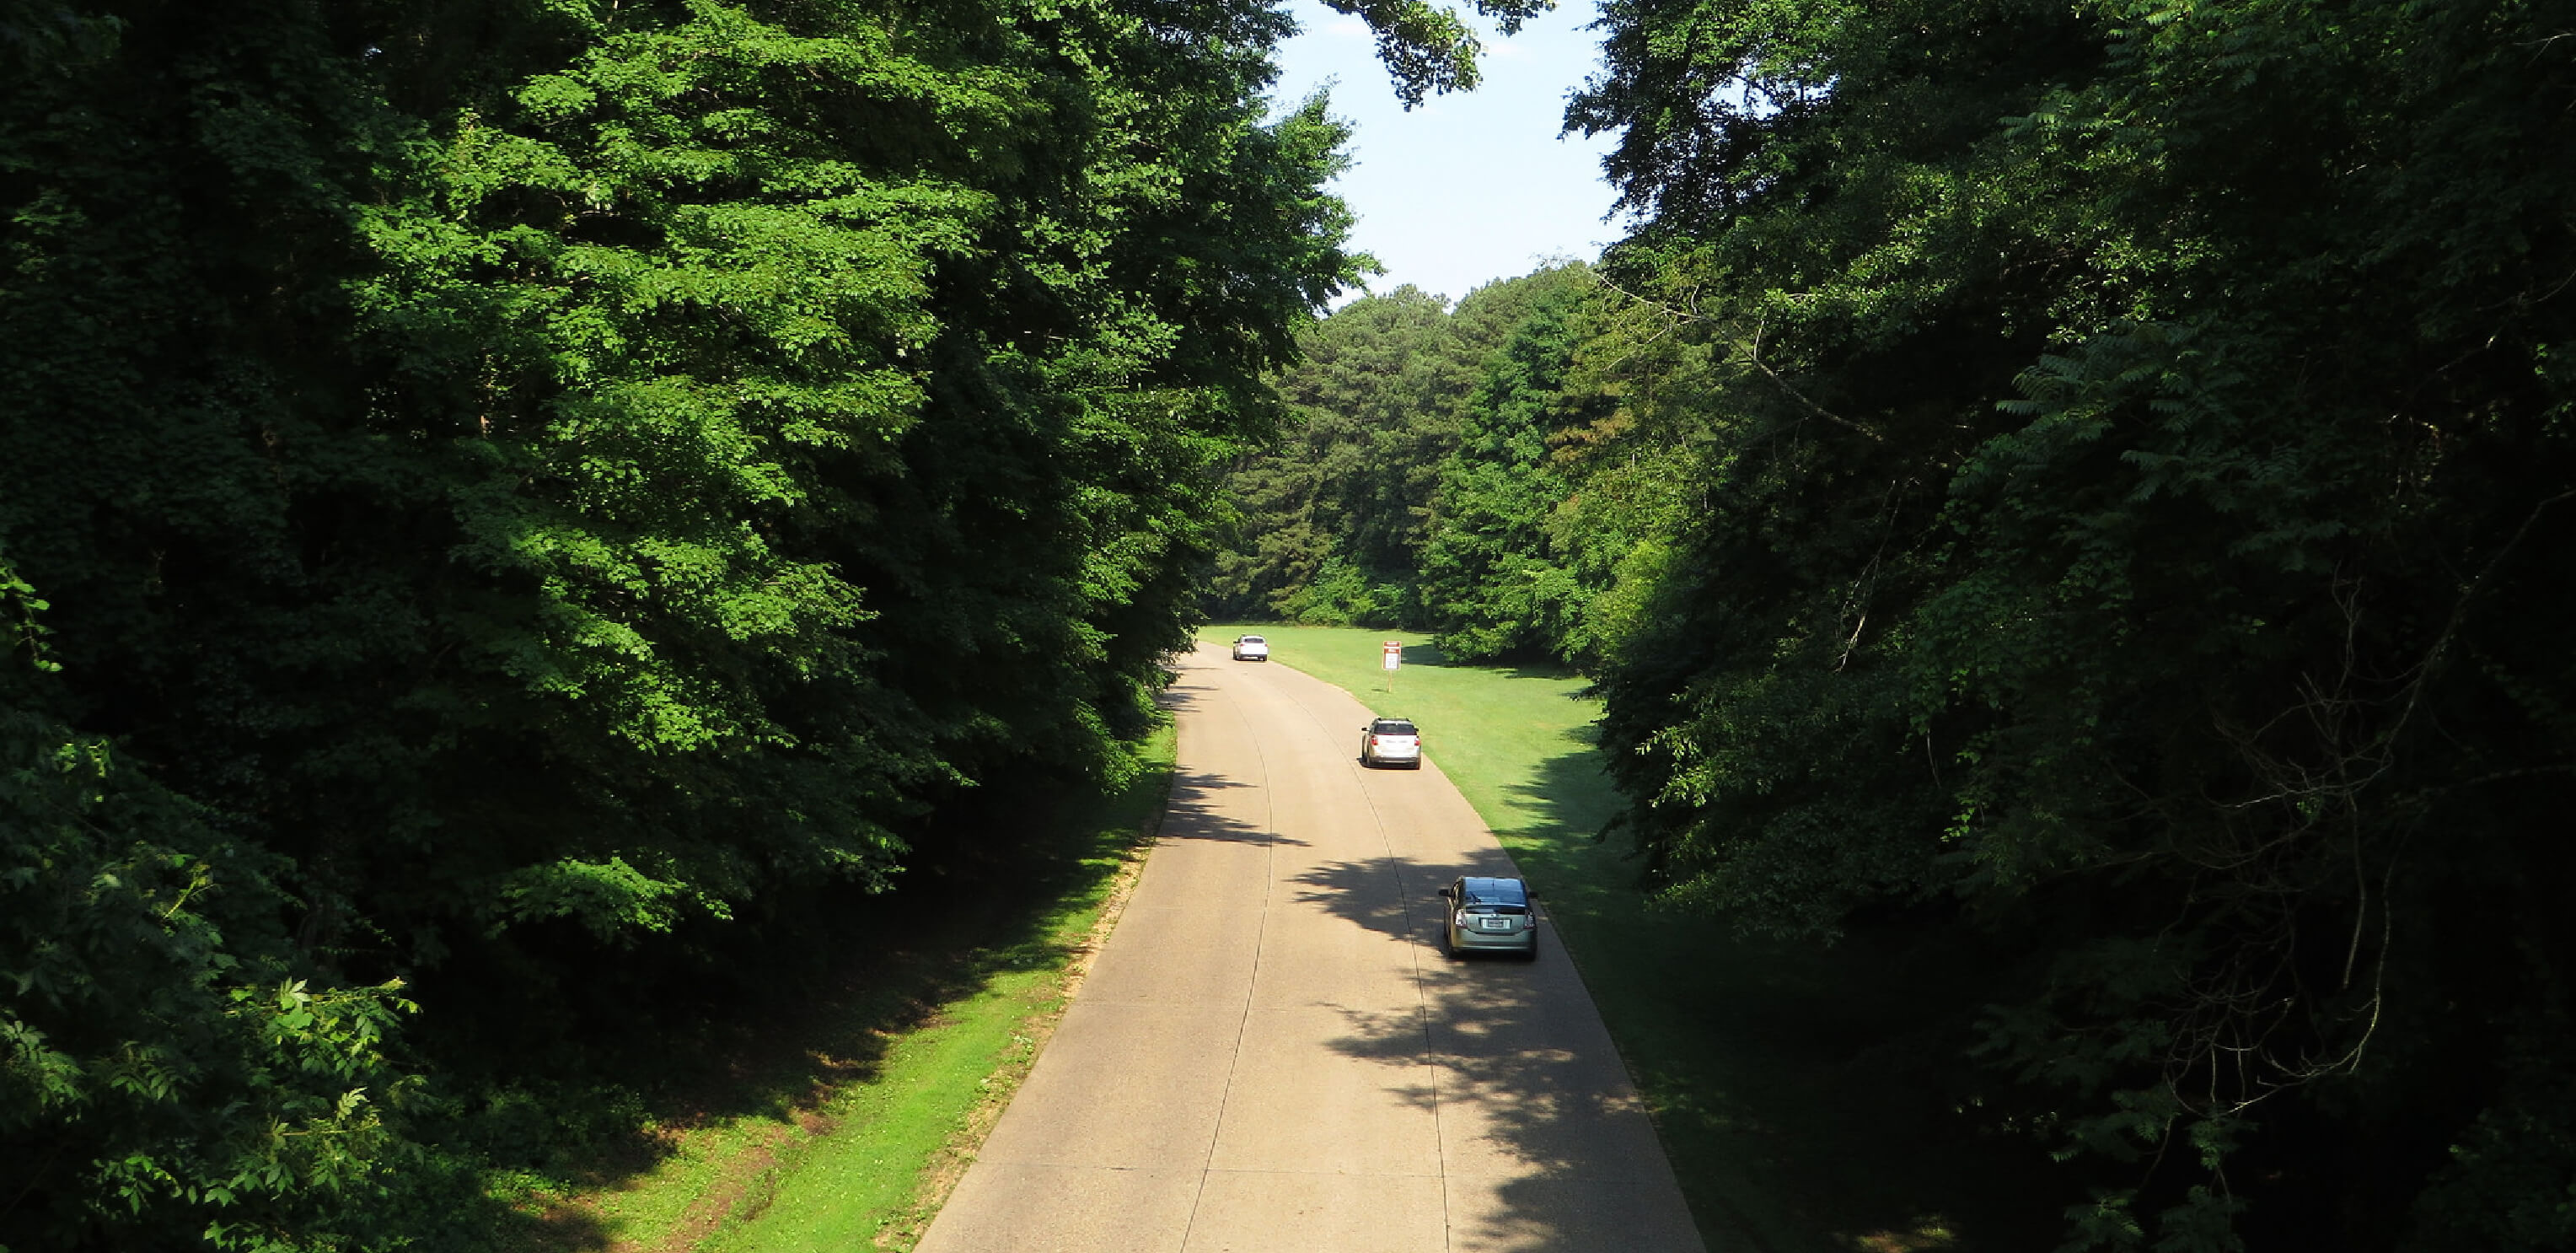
(1421,998)
(1243,1023)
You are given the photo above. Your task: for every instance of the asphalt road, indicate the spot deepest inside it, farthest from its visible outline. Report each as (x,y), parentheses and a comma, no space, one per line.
(1272,1054)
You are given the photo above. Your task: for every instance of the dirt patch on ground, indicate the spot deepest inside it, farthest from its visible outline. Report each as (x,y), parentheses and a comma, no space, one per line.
(745,1174)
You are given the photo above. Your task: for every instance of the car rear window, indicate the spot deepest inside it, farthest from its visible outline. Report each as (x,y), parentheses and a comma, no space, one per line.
(1510,892)
(1393,726)
(1254,639)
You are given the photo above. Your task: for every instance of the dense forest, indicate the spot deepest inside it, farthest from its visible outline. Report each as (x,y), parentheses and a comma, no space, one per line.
(2089,483)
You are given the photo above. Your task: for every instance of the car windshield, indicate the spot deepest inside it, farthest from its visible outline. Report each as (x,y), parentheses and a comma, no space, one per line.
(1510,894)
(1392,726)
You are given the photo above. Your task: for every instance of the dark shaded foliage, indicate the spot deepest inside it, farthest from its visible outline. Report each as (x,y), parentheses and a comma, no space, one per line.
(2136,459)
(539,503)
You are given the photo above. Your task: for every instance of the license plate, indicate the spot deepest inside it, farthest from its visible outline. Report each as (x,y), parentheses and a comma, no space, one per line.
(1496,924)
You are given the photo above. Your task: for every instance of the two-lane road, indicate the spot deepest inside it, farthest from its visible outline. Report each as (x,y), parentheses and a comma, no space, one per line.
(1272,1054)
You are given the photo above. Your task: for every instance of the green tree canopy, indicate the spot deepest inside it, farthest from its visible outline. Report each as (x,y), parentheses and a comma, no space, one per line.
(1332,514)
(513,487)
(2133,449)
(1491,582)
(1335,517)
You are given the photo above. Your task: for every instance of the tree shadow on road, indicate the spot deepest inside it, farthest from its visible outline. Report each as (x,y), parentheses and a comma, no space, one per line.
(1535,1105)
(1194,815)
(1809,1099)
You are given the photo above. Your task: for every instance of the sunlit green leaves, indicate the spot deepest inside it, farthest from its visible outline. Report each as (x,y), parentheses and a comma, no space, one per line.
(548,483)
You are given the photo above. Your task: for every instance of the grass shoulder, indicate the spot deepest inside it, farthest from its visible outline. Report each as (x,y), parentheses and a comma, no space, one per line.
(843,1121)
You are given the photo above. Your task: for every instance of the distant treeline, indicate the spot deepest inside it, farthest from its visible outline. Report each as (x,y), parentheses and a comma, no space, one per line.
(1428,477)
(2095,481)
(520,512)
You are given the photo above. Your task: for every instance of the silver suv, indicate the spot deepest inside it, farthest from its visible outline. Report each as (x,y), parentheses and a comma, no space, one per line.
(1391,742)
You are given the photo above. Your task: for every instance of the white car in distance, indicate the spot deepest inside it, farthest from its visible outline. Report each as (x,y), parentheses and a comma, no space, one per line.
(1251,648)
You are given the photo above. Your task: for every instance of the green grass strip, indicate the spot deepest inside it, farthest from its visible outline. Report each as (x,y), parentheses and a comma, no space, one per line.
(875,1175)
(839,1188)
(855,1145)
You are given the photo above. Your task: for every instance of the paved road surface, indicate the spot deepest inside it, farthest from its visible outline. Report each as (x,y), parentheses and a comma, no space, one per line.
(1271,1053)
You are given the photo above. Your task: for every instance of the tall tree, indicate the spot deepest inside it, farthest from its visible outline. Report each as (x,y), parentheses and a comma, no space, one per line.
(1335,516)
(1332,515)
(1492,583)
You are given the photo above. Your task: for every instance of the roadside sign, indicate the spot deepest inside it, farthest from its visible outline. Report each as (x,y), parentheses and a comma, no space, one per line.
(1394,655)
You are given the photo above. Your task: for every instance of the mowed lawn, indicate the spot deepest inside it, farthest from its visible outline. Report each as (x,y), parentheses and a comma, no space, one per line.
(1791,1085)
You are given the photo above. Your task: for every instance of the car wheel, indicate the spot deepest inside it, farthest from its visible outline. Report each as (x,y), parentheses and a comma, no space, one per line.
(1532,954)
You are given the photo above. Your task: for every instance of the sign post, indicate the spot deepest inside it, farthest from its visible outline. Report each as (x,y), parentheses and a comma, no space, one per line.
(1393,658)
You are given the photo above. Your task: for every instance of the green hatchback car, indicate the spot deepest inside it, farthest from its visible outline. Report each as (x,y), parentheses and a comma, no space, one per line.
(1489,915)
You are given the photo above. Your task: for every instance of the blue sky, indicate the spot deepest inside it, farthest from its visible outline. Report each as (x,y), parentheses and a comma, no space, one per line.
(1470,187)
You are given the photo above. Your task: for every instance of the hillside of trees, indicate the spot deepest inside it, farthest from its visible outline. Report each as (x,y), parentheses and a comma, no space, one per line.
(2092,482)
